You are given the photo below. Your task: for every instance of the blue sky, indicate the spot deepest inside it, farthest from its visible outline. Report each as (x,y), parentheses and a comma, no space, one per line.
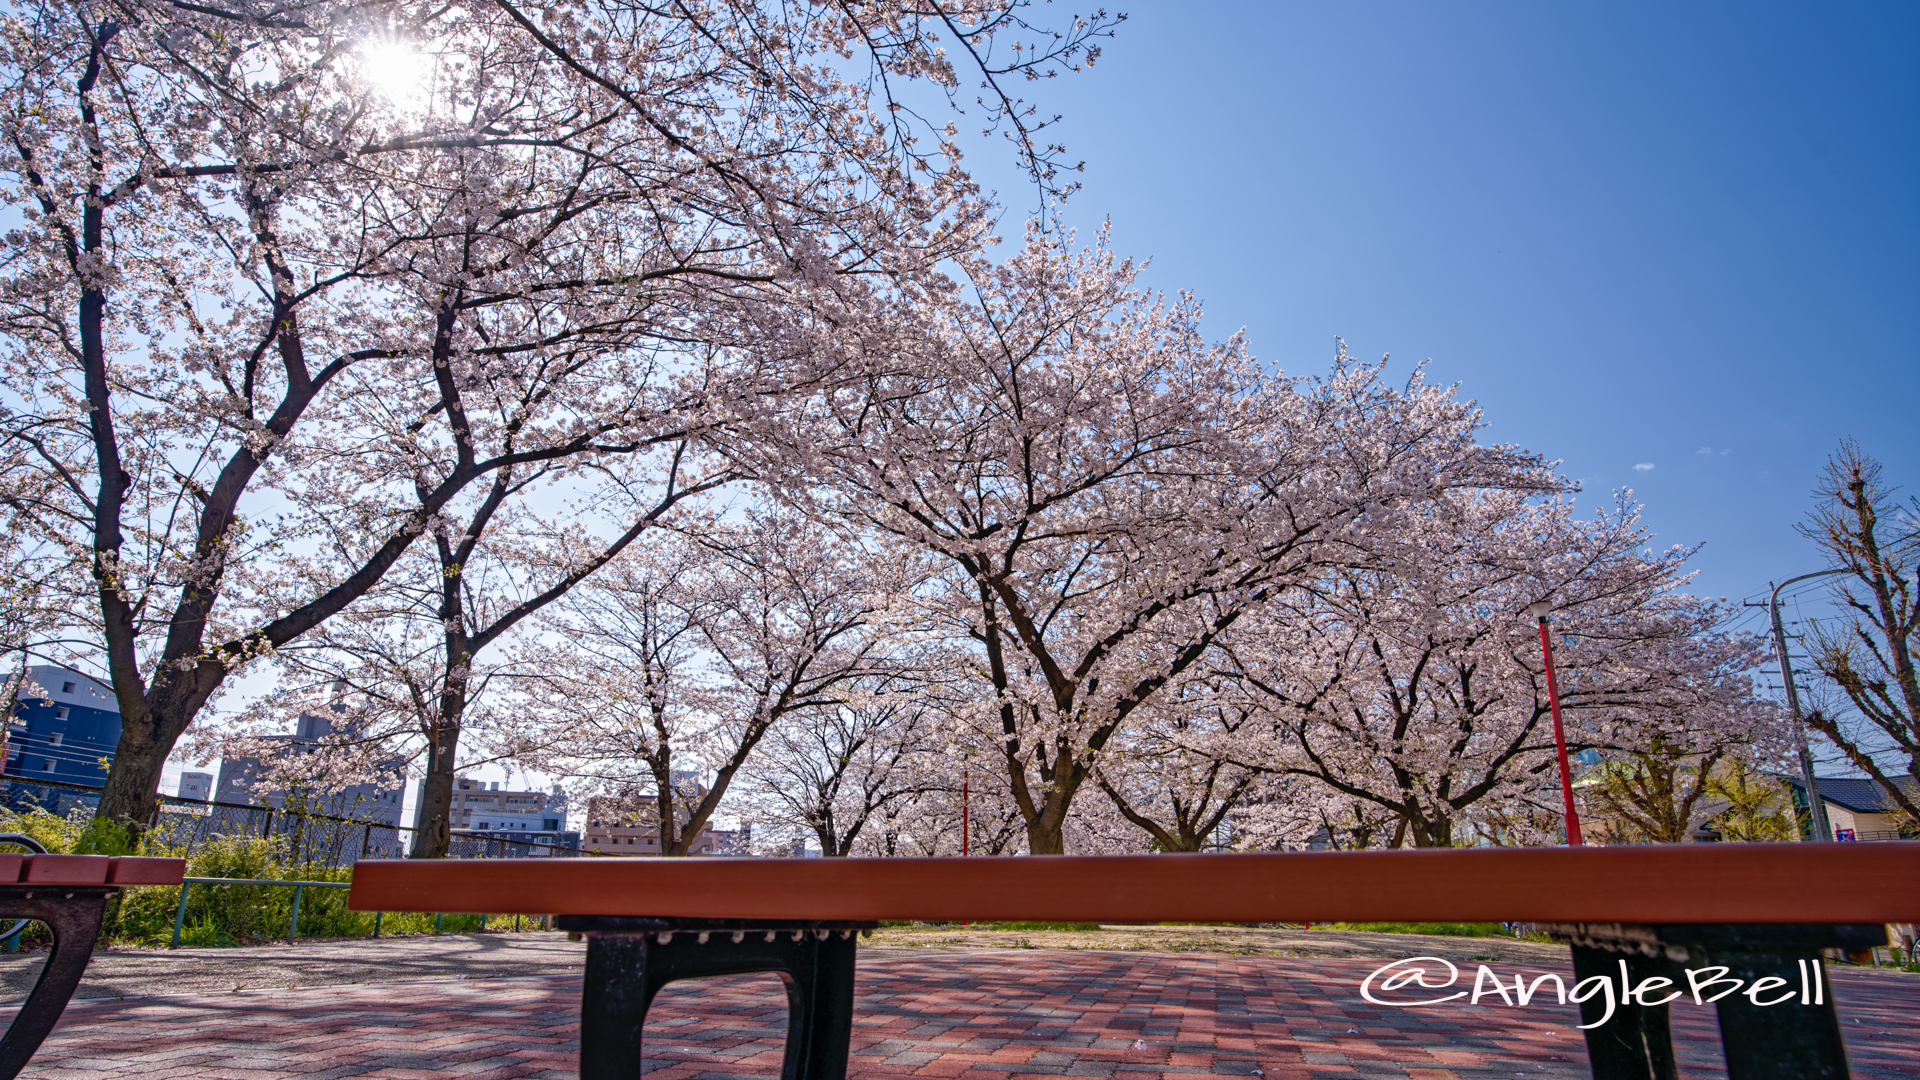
(1684,236)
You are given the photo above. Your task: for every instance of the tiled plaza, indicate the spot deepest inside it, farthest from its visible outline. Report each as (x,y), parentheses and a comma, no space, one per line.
(978,1015)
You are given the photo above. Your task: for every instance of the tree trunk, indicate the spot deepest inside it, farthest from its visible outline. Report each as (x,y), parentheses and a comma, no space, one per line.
(433,835)
(1437,833)
(132,789)
(1046,831)
(1045,838)
(151,722)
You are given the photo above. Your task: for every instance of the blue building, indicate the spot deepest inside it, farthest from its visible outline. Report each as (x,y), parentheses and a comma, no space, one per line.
(65,728)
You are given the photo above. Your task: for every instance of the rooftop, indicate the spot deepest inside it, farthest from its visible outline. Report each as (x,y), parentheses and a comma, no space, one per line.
(1859,794)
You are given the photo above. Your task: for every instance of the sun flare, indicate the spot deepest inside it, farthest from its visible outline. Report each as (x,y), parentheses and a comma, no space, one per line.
(392,69)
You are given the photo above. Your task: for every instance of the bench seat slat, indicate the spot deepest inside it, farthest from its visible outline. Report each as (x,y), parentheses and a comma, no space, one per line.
(67,870)
(90,870)
(1682,883)
(142,870)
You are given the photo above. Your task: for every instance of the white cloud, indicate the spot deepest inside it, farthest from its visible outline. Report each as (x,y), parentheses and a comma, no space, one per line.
(1645,466)
(1704,450)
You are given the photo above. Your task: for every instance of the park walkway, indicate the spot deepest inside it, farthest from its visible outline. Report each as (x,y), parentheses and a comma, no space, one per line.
(977,1015)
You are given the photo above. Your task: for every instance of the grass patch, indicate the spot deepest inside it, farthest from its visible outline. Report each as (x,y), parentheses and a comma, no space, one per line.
(899,924)
(1436,929)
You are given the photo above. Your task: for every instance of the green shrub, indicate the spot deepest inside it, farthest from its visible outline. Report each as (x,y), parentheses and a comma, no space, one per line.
(224,915)
(234,914)
(146,915)
(103,837)
(58,835)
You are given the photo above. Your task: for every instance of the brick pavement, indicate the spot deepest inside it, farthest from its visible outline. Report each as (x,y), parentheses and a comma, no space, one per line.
(977,1016)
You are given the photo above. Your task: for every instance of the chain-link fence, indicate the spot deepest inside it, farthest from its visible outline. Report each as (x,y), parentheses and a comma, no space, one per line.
(313,838)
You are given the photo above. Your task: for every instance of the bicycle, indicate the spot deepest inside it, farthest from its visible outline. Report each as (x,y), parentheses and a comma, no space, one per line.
(18,844)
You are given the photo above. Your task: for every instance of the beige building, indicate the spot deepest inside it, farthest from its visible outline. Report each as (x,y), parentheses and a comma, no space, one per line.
(629,824)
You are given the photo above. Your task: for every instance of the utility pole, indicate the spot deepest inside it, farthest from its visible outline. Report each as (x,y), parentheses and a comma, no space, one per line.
(1821,830)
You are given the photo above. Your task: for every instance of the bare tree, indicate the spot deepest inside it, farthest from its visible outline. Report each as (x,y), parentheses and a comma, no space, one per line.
(1869,652)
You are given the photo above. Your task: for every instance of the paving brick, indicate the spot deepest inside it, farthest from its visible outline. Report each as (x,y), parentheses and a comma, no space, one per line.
(942,1016)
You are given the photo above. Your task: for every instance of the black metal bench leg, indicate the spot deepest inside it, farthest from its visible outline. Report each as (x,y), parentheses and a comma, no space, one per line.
(1636,1043)
(1789,1041)
(630,959)
(1777,1015)
(74,916)
(819,1009)
(613,1007)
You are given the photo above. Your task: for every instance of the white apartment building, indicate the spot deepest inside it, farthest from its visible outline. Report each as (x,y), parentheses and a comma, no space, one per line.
(481,806)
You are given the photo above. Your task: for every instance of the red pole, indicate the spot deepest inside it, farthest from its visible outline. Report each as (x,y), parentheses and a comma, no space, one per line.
(964,824)
(1559,738)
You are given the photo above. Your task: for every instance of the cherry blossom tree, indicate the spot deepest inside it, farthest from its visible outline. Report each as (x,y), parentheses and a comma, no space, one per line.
(957,811)
(423,650)
(1413,681)
(1159,781)
(1108,492)
(326,257)
(684,657)
(1694,715)
(828,774)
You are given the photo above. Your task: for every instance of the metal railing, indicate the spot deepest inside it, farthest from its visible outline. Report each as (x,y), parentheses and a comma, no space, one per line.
(299,887)
(293,925)
(1879,834)
(313,836)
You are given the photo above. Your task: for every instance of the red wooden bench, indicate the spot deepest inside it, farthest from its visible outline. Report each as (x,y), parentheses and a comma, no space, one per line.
(1642,913)
(69,894)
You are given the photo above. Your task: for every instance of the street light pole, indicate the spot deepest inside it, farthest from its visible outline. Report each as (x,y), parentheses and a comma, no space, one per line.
(1821,829)
(1539,611)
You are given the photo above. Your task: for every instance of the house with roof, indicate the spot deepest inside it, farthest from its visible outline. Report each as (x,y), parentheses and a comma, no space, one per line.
(1858,808)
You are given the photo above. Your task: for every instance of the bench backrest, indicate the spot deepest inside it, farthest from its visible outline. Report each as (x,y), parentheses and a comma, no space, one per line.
(1680,883)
